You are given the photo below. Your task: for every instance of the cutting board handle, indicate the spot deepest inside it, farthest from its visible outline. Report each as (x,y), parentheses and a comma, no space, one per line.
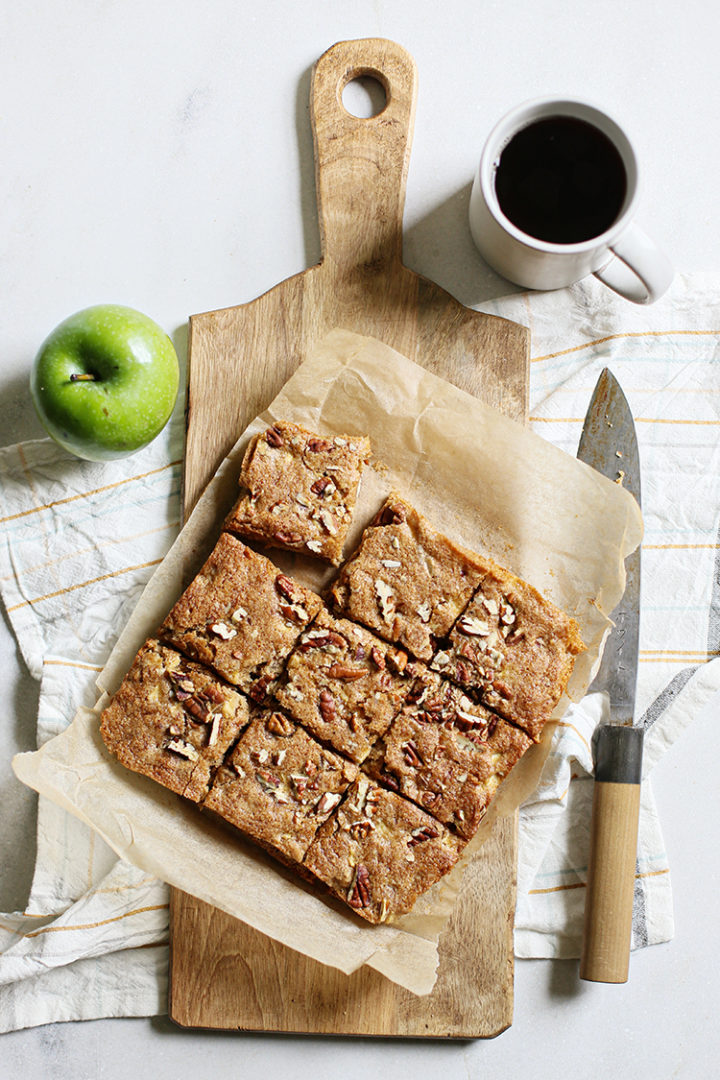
(361,164)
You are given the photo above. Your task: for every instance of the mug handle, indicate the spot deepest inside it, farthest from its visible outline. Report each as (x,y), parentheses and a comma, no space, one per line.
(640,271)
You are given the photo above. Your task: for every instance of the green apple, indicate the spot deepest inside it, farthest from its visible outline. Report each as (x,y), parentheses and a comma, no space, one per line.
(105,381)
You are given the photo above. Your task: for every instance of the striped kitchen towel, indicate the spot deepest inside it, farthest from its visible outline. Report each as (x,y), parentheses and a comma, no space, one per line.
(78,542)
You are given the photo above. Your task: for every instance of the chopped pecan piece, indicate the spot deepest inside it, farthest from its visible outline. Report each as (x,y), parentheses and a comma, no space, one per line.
(346,671)
(391,515)
(258,690)
(317,446)
(321,485)
(426,832)
(286,586)
(274,437)
(377,657)
(328,802)
(359,895)
(326,704)
(280,725)
(411,755)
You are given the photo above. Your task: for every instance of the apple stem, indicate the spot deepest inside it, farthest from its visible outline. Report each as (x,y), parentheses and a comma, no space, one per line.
(82,378)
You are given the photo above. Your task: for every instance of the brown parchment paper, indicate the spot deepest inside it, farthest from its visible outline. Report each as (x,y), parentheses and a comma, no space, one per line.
(486,482)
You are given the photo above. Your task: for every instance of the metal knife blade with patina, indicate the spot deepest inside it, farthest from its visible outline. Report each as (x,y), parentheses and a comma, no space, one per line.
(609,444)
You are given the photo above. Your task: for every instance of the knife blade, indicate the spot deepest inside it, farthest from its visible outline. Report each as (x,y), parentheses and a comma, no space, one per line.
(609,444)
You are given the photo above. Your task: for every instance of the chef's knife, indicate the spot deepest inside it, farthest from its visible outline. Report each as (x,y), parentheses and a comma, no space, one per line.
(609,444)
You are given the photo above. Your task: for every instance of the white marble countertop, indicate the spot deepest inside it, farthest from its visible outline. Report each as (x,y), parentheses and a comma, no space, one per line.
(160,156)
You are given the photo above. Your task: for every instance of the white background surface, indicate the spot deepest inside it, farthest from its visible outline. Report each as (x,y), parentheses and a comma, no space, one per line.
(159,155)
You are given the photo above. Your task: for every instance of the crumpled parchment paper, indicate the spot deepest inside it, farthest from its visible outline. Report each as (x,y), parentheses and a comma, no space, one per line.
(484,480)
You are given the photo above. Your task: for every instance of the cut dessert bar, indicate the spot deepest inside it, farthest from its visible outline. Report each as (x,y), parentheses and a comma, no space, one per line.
(302,489)
(513,649)
(407,582)
(172,720)
(378,852)
(344,684)
(279,785)
(447,753)
(240,616)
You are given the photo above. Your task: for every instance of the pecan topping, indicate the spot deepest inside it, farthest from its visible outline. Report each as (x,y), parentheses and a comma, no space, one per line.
(184,749)
(425,832)
(317,446)
(411,755)
(425,611)
(214,730)
(181,679)
(391,515)
(462,671)
(320,487)
(359,830)
(286,586)
(259,688)
(279,725)
(287,537)
(327,803)
(328,522)
(466,650)
(416,692)
(227,633)
(359,894)
(294,612)
(267,780)
(346,671)
(326,704)
(429,798)
(397,661)
(197,708)
(390,781)
(377,657)
(274,437)
(372,798)
(468,624)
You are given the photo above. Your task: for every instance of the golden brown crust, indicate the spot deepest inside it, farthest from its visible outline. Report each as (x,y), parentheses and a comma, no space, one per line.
(512,648)
(407,581)
(302,489)
(447,753)
(240,616)
(279,785)
(344,684)
(172,720)
(378,852)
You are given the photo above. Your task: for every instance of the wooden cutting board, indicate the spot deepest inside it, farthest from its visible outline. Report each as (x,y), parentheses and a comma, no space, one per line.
(223,973)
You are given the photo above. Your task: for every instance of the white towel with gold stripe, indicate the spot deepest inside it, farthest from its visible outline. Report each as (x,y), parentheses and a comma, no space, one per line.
(78,542)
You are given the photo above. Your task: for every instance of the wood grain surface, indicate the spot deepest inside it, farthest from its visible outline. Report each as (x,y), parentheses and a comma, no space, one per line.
(224,974)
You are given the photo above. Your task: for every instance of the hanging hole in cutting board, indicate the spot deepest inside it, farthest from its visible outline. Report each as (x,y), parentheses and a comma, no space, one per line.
(364,96)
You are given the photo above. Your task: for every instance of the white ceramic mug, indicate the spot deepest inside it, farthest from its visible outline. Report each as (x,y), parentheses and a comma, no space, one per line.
(622,256)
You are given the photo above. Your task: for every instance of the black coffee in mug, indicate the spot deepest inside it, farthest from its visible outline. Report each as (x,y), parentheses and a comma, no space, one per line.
(561,179)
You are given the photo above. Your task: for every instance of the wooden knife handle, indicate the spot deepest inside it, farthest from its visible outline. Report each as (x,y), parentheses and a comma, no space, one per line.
(613,850)
(361,163)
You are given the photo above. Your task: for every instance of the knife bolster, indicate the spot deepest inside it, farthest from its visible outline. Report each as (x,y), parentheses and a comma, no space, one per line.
(618,755)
